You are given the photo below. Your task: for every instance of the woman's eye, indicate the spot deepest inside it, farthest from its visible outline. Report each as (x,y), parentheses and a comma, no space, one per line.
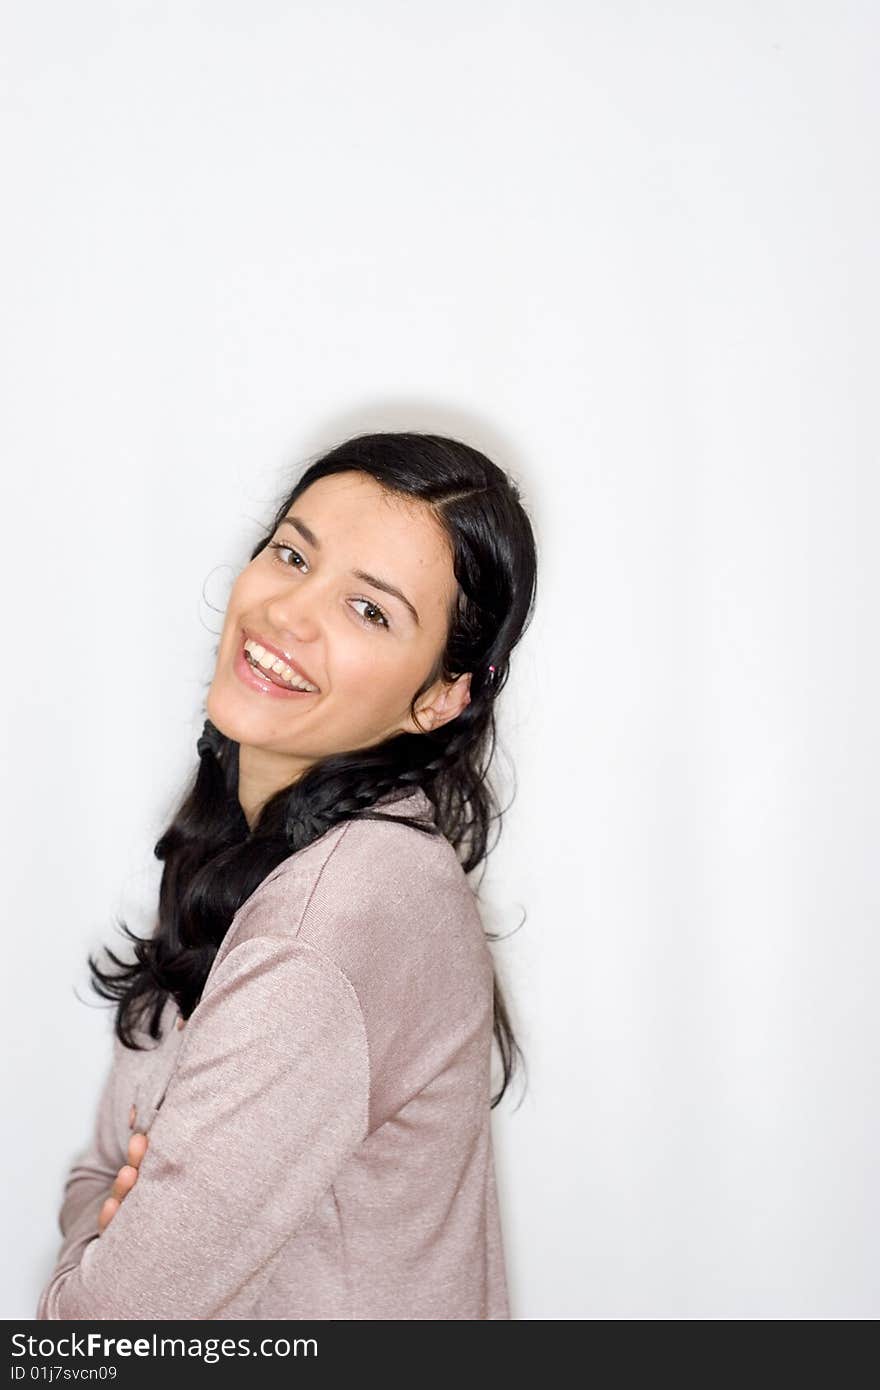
(378,621)
(372,622)
(278,546)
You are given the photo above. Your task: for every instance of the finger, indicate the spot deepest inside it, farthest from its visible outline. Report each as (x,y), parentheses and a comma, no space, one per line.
(125,1181)
(137,1147)
(107,1213)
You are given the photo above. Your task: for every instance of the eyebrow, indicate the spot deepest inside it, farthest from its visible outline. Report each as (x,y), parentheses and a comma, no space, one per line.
(308,535)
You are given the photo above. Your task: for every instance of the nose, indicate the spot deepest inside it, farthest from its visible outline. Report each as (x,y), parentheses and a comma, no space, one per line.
(295,615)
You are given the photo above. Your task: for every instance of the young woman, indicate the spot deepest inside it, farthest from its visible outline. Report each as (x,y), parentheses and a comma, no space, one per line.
(296,1121)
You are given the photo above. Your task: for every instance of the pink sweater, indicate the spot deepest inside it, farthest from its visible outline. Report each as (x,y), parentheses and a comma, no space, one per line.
(319,1130)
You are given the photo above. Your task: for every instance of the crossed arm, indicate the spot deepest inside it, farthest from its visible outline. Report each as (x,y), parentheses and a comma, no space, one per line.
(269,1098)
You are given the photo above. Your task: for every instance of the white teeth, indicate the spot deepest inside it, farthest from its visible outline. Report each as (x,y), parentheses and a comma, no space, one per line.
(270,662)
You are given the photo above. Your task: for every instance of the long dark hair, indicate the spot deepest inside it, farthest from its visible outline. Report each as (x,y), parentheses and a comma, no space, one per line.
(213,860)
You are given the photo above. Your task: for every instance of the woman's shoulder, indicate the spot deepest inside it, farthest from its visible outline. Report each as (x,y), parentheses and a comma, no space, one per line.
(372,891)
(380,849)
(380,856)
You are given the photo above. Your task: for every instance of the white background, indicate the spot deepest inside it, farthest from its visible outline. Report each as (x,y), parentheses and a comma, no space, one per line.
(630,250)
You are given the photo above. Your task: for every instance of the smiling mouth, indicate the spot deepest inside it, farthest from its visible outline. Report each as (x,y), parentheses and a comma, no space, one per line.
(269,675)
(292,683)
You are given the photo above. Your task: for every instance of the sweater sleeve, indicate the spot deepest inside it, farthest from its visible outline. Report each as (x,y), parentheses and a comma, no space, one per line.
(90,1177)
(269,1098)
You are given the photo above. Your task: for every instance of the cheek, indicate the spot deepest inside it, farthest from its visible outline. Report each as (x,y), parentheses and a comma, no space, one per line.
(376,680)
(354,668)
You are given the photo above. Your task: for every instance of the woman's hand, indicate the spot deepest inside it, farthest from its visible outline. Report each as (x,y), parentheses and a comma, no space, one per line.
(125,1181)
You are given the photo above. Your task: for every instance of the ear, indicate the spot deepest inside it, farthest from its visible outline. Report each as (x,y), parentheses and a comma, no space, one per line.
(445,701)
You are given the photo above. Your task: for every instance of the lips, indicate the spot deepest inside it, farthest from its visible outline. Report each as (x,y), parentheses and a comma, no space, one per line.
(270,675)
(282,655)
(258,679)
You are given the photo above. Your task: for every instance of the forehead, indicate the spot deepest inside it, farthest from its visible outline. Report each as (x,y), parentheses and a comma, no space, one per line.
(362,526)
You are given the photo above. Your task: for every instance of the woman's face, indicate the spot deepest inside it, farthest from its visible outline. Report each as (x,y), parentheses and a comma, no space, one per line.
(366,649)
